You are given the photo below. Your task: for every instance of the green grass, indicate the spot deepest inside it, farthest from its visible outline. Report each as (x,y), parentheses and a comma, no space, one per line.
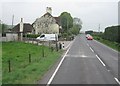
(0,63)
(113,45)
(23,72)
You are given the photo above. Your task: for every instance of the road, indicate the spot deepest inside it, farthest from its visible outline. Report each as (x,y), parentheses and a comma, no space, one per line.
(87,62)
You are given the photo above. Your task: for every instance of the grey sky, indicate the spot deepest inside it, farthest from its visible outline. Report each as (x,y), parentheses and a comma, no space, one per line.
(91,12)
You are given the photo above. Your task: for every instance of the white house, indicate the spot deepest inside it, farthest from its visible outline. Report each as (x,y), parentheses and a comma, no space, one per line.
(47,23)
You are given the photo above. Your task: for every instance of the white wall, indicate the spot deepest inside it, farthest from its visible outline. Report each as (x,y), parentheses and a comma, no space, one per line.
(10,37)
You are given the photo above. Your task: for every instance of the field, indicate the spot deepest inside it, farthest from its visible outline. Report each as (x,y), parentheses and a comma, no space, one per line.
(23,69)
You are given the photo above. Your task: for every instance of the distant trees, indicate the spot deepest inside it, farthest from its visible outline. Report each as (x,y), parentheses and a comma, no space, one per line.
(89,32)
(75,29)
(112,33)
(77,25)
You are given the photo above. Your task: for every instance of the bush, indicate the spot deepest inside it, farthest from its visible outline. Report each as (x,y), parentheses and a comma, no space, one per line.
(112,33)
(32,35)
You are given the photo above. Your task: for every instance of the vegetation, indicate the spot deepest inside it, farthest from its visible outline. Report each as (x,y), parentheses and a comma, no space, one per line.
(66,21)
(24,71)
(112,44)
(112,34)
(69,25)
(3,27)
(89,32)
(0,63)
(31,35)
(75,29)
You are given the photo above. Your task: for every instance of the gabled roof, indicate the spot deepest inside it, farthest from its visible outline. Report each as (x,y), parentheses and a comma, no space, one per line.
(47,14)
(26,28)
(57,20)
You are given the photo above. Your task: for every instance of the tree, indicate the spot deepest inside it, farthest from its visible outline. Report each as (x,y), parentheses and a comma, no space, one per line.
(77,25)
(66,21)
(4,27)
(112,33)
(89,32)
(75,29)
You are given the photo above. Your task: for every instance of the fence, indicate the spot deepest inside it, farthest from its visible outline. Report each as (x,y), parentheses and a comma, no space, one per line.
(13,64)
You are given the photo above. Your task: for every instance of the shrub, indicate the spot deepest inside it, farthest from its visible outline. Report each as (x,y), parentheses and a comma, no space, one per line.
(32,35)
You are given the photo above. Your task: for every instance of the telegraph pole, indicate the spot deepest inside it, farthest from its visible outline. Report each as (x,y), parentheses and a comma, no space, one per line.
(12,21)
(99,28)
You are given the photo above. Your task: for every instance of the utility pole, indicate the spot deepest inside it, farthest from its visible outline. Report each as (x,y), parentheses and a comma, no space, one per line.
(12,21)
(99,28)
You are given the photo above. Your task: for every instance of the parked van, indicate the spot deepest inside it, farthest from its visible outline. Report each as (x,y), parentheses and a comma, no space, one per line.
(48,37)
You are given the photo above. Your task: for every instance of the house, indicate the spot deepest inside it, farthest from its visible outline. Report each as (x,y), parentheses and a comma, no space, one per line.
(47,23)
(26,28)
(22,29)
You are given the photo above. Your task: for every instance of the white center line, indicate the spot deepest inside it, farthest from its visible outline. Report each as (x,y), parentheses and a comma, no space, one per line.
(100,60)
(91,49)
(117,80)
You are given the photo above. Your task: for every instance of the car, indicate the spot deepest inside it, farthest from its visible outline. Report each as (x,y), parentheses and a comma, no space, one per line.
(87,35)
(89,38)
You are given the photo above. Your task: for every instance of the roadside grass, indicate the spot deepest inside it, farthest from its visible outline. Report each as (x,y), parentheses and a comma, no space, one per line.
(113,45)
(23,72)
(0,63)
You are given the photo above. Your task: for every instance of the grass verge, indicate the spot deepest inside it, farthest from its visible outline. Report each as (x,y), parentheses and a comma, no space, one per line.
(0,63)
(23,71)
(113,45)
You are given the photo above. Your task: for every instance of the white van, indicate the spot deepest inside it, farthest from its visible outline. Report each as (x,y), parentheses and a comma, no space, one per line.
(48,37)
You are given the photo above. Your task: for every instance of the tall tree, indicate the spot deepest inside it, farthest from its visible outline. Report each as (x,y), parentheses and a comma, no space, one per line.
(66,21)
(77,25)
(78,22)
(3,27)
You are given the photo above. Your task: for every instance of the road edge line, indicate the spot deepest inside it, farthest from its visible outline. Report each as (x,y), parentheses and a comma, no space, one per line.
(53,75)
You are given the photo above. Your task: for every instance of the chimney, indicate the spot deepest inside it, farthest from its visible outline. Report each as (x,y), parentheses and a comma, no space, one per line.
(49,10)
(21,19)
(21,25)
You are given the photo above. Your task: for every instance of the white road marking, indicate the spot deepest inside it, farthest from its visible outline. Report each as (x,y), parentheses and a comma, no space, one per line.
(50,80)
(100,60)
(76,56)
(117,80)
(68,45)
(91,49)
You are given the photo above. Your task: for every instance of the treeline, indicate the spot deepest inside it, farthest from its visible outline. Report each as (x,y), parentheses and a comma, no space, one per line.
(112,33)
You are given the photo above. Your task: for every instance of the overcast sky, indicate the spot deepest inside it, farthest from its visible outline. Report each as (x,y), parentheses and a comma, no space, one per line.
(91,12)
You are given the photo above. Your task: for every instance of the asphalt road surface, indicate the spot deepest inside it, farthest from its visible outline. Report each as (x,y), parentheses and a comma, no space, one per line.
(87,62)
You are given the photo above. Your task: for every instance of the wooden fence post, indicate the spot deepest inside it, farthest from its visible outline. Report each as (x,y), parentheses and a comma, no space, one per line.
(9,65)
(29,58)
(43,51)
